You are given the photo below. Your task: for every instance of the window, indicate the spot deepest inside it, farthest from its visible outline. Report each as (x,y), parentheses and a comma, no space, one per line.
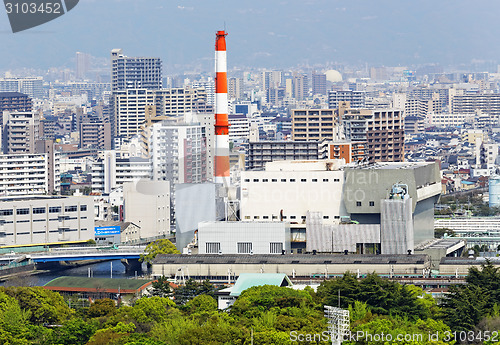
(358,203)
(292,180)
(6,212)
(315,180)
(336,180)
(274,180)
(292,217)
(303,180)
(55,209)
(244,247)
(283,180)
(247,217)
(303,217)
(275,247)
(256,217)
(38,210)
(372,203)
(23,211)
(212,247)
(326,217)
(71,208)
(247,180)
(265,180)
(265,217)
(336,217)
(325,180)
(275,217)
(255,180)
(83,208)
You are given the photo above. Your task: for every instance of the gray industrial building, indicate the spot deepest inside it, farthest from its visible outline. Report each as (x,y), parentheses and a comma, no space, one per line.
(243,238)
(222,267)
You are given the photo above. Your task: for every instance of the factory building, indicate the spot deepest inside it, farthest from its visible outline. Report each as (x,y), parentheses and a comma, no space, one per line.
(383,208)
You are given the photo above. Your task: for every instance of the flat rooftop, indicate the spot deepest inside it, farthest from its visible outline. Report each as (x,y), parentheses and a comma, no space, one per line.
(181,259)
(83,284)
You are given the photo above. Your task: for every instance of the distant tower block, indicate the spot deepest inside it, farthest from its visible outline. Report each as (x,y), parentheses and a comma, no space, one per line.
(221,110)
(494,189)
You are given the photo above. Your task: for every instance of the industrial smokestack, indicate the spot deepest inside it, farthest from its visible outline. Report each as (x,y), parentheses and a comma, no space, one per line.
(221,110)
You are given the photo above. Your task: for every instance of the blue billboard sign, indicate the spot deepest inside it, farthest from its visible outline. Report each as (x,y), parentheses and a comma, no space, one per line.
(106,230)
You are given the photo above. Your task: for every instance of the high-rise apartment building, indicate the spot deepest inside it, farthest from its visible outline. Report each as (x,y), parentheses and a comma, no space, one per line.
(300,87)
(178,152)
(234,88)
(109,172)
(381,129)
(473,103)
(19,131)
(27,174)
(175,102)
(15,101)
(355,98)
(135,72)
(130,110)
(319,83)
(33,87)
(82,65)
(209,87)
(96,135)
(270,79)
(314,124)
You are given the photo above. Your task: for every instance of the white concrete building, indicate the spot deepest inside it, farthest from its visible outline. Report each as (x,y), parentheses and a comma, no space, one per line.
(109,172)
(147,204)
(27,174)
(178,152)
(46,219)
(239,127)
(243,237)
(129,107)
(288,190)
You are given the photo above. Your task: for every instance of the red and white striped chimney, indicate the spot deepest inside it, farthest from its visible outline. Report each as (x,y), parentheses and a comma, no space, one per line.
(221,110)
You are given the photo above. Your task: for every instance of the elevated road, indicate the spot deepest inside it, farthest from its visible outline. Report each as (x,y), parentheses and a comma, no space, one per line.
(82,254)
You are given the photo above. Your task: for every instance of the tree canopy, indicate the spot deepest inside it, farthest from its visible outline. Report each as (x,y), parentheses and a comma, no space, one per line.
(162,246)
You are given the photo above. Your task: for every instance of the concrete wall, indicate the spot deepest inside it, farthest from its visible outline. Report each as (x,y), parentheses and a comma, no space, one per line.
(147,204)
(227,235)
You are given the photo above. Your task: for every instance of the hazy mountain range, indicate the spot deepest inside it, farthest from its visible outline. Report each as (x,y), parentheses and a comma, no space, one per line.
(272,33)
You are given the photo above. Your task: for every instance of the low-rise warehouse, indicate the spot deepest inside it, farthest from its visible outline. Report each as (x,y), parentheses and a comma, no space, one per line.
(221,267)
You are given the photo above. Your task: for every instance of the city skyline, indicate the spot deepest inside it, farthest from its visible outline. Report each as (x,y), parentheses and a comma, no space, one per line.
(273,35)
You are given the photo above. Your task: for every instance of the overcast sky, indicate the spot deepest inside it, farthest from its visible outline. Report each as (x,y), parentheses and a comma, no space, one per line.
(263,33)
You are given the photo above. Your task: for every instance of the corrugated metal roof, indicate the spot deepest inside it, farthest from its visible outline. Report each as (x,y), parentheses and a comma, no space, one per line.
(182,259)
(97,283)
(248,280)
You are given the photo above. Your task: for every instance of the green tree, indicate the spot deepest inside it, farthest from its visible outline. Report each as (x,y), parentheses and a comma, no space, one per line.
(440,232)
(162,246)
(75,331)
(151,309)
(44,306)
(201,304)
(191,289)
(466,305)
(381,295)
(102,307)
(161,287)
